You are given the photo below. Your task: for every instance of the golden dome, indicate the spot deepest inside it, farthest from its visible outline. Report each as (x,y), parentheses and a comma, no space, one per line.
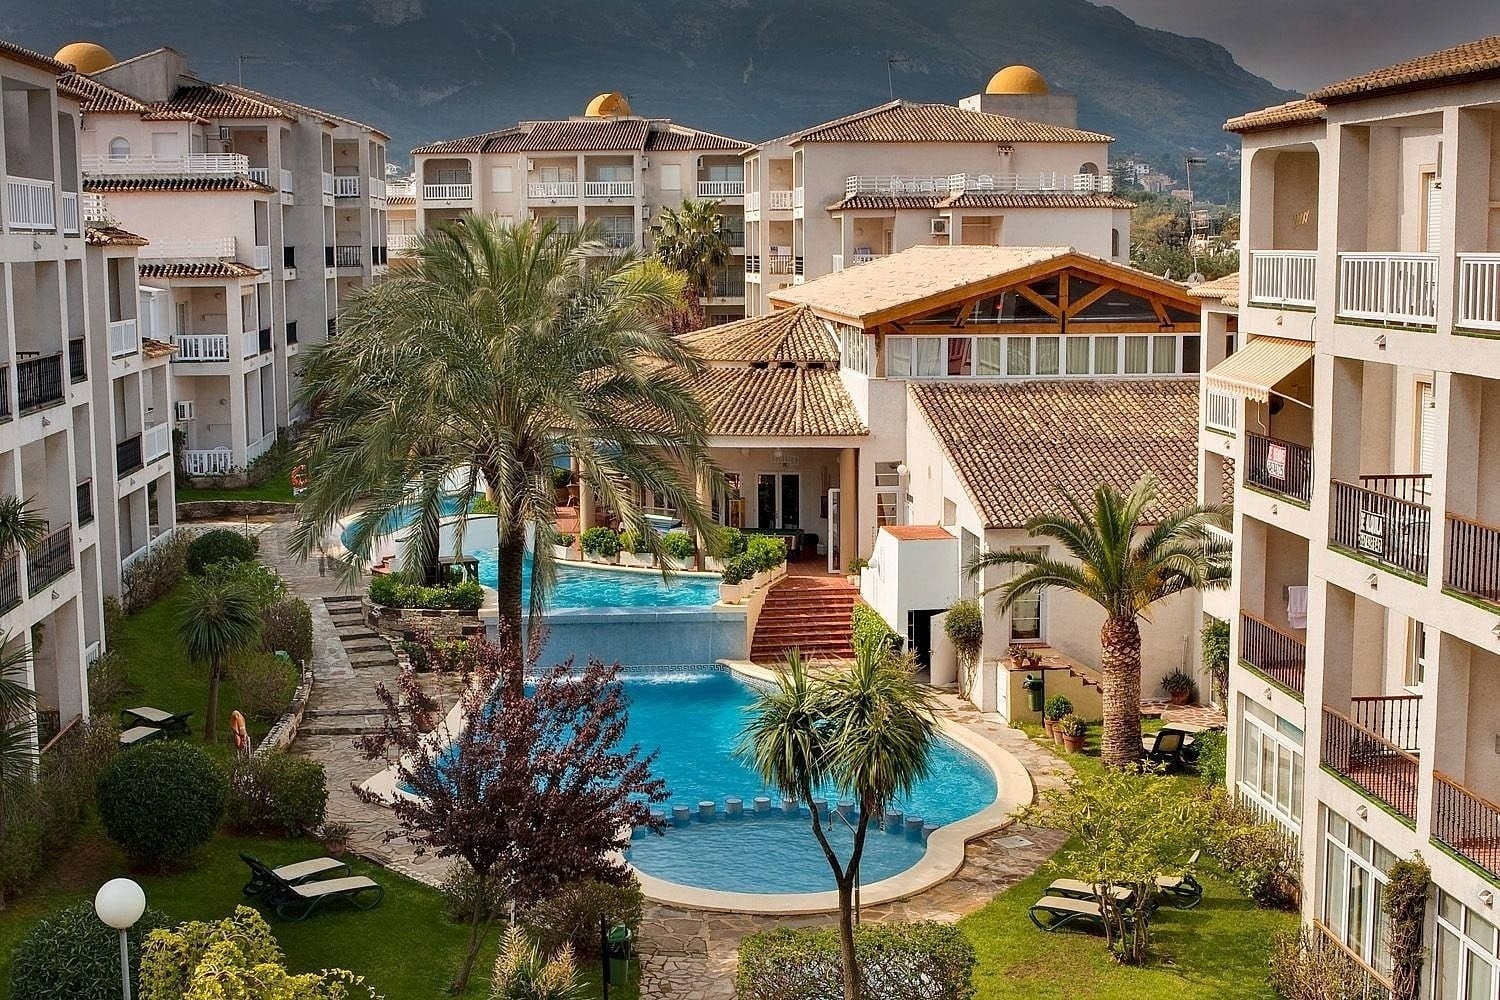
(86,57)
(607,105)
(1017,79)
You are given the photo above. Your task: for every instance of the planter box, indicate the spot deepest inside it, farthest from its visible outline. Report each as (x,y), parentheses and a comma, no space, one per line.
(641,560)
(730,593)
(676,564)
(712,565)
(563,552)
(594,557)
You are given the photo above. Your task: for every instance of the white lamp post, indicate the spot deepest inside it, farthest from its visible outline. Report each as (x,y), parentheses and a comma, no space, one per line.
(120,903)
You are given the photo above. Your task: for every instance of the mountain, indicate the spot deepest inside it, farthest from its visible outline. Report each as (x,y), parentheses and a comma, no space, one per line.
(429,69)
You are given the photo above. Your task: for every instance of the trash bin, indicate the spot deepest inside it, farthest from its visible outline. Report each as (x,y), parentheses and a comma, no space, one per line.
(618,953)
(1034,684)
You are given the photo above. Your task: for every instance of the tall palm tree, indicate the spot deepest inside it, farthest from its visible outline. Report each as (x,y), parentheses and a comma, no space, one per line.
(692,239)
(218,619)
(1125,564)
(471,371)
(20,527)
(864,733)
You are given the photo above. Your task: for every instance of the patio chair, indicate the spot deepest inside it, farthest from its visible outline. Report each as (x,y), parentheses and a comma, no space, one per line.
(1073,888)
(264,877)
(1053,913)
(1183,891)
(1166,746)
(172,723)
(298,902)
(136,735)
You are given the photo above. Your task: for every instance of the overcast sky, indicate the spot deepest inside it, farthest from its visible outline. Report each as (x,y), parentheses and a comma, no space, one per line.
(1302,44)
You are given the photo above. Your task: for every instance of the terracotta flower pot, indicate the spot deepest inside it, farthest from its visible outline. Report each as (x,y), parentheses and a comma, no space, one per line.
(1050,725)
(1072,744)
(1179,697)
(1057,736)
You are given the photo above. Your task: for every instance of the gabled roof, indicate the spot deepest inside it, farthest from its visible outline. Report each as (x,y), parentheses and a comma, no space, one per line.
(328,116)
(1226,289)
(1479,59)
(786,335)
(1291,113)
(107,183)
(777,402)
(1005,439)
(997,199)
(204,269)
(211,100)
(153,348)
(588,135)
(907,121)
(31,57)
(99,98)
(112,236)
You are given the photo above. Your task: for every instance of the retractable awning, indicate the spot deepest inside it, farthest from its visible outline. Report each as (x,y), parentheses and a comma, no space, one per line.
(1255,368)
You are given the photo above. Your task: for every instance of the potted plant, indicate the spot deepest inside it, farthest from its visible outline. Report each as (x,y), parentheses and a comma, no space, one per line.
(856,567)
(1179,686)
(562,545)
(1024,656)
(1055,708)
(633,551)
(562,479)
(679,548)
(737,571)
(600,544)
(1072,729)
(335,838)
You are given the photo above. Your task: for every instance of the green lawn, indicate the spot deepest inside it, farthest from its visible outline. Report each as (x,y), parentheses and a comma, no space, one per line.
(276,486)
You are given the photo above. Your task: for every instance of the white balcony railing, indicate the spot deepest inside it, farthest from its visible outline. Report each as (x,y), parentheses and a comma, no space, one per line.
(780,201)
(447,192)
(327,182)
(345,187)
(70,213)
(29,204)
(377,187)
(400,244)
(1284,277)
(208,462)
(752,201)
(1221,411)
(259,447)
(797,199)
(552,189)
(840,260)
(124,340)
(201,347)
(399,188)
(779,263)
(721,189)
(262,258)
(609,189)
(347,256)
(1388,287)
(156,442)
(261,174)
(1478,291)
(954,184)
(206,248)
(225,164)
(286,181)
(249,343)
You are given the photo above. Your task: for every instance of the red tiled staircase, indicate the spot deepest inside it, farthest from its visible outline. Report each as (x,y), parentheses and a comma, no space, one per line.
(808,613)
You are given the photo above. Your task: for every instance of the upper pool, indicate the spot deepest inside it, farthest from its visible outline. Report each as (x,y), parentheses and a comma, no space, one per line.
(588,587)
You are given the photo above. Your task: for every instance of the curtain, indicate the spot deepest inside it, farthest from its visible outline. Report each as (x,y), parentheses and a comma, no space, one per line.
(960,352)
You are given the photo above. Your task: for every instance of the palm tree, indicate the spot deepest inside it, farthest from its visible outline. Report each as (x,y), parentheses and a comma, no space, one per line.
(864,733)
(18,749)
(1125,564)
(472,371)
(692,239)
(218,619)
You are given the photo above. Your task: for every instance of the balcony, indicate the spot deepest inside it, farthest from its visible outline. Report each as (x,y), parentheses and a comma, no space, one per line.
(128,456)
(84,496)
(1384,518)
(261,258)
(780,263)
(1478,306)
(287,185)
(780,201)
(78,361)
(752,263)
(291,332)
(1279,467)
(448,192)
(348,256)
(50,560)
(328,183)
(209,462)
(1373,750)
(29,204)
(70,213)
(1388,288)
(752,202)
(10,582)
(544,190)
(205,248)
(195,164)
(5,412)
(124,338)
(955,184)
(401,244)
(39,381)
(1221,411)
(1284,278)
(609,189)
(263,341)
(727,286)
(721,189)
(617,239)
(1278,656)
(345,187)
(1471,564)
(201,347)
(156,442)
(249,343)
(1466,822)
(377,188)
(261,175)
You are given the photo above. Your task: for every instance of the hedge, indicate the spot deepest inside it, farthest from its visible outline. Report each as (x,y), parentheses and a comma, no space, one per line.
(900,961)
(868,627)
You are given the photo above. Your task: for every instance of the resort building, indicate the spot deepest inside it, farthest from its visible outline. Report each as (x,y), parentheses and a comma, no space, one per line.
(1007,167)
(262,215)
(1357,421)
(609,168)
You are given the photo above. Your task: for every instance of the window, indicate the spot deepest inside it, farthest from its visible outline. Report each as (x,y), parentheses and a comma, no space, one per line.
(1018,356)
(960,356)
(898,357)
(1353,886)
(1163,355)
(1106,355)
(671,177)
(119,148)
(555,175)
(1192,356)
(1114,243)
(1078,355)
(1047,355)
(1026,612)
(1271,765)
(452,175)
(1135,355)
(854,349)
(968,551)
(887,492)
(989,361)
(500,180)
(613,172)
(724,172)
(1465,964)
(926,356)
(1416,654)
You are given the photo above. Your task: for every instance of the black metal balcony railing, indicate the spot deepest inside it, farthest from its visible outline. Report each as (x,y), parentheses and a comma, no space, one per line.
(1279,466)
(1412,488)
(1391,717)
(1386,528)
(10,581)
(5,413)
(328,256)
(78,361)
(48,725)
(1472,564)
(264,341)
(50,560)
(128,456)
(288,257)
(85,495)
(1466,822)
(1371,762)
(39,381)
(291,332)
(1268,650)
(333,327)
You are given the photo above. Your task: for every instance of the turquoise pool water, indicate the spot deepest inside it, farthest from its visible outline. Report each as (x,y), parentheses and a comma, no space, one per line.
(580,587)
(399,518)
(693,717)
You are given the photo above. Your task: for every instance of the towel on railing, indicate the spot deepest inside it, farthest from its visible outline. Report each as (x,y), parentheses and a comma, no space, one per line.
(1296,607)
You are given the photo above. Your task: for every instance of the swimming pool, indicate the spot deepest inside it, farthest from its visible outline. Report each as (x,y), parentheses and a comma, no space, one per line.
(693,718)
(588,587)
(397,519)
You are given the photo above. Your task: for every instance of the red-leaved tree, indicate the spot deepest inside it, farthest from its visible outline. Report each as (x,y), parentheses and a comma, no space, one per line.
(532,791)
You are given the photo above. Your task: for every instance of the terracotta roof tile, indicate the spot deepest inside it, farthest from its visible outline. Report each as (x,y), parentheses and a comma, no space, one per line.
(155,348)
(397,201)
(501,141)
(99,98)
(918,532)
(1225,288)
(1277,116)
(587,134)
(1005,440)
(788,335)
(112,236)
(906,121)
(334,118)
(777,402)
(675,138)
(31,57)
(210,100)
(107,183)
(1005,199)
(207,269)
(1478,59)
(584,134)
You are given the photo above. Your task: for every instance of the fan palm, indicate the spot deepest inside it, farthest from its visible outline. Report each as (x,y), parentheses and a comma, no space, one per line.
(865,733)
(1124,564)
(20,527)
(470,372)
(692,239)
(218,619)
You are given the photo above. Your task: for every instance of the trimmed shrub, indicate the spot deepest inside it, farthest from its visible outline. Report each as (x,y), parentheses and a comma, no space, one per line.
(633,541)
(738,569)
(277,794)
(71,953)
(161,801)
(460,887)
(392,590)
(899,961)
(563,538)
(572,916)
(765,552)
(727,543)
(483,505)
(264,585)
(600,541)
(156,572)
(869,627)
(286,626)
(264,684)
(219,545)
(678,544)
(1056,707)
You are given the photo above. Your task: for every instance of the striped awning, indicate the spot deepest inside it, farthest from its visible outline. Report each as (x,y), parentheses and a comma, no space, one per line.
(1255,368)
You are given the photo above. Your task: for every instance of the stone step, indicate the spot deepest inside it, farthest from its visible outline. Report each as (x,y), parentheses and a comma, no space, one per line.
(336,599)
(323,713)
(365,644)
(357,632)
(315,729)
(363,661)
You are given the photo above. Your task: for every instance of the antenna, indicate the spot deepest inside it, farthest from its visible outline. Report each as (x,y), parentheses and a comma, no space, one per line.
(892,60)
(243,58)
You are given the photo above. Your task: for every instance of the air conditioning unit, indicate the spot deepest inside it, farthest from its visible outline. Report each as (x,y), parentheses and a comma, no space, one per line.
(185,410)
(645,163)
(940,226)
(529,164)
(645,211)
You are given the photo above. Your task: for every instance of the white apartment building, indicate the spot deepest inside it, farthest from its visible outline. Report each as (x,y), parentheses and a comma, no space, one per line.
(1007,167)
(609,167)
(261,214)
(1358,425)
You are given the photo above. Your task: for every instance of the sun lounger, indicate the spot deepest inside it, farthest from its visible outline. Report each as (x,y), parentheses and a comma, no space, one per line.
(174,723)
(1183,891)
(1072,888)
(1053,913)
(137,735)
(1166,746)
(297,902)
(264,877)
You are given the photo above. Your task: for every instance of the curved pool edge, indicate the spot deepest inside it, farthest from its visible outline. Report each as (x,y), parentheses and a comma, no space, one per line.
(941,861)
